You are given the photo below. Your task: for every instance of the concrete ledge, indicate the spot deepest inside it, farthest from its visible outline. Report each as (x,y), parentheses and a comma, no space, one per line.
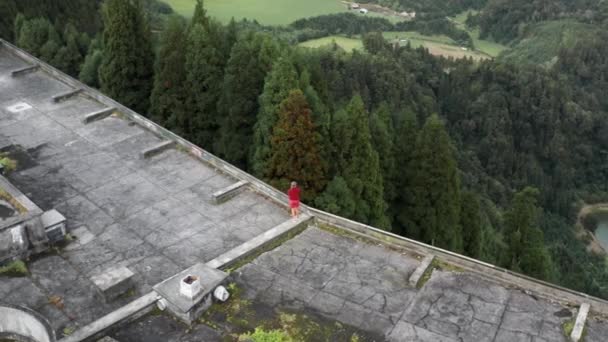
(131,311)
(488,271)
(579,325)
(158,148)
(25,70)
(228,192)
(113,282)
(98,115)
(424,265)
(247,248)
(66,96)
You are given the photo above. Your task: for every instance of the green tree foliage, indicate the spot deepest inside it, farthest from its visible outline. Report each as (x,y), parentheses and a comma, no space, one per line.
(281,80)
(434,210)
(82,14)
(526,251)
(250,60)
(205,70)
(168,99)
(295,153)
(89,71)
(36,35)
(470,221)
(337,198)
(126,71)
(358,163)
(375,43)
(200,15)
(405,142)
(383,132)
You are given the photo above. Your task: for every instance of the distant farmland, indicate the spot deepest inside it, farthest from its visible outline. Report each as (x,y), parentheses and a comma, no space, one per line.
(269,12)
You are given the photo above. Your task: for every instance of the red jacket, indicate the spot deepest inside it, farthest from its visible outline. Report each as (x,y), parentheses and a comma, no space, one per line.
(294,194)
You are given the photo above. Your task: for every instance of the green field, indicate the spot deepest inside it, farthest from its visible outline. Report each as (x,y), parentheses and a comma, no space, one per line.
(347,44)
(488,47)
(268,12)
(542,42)
(437,45)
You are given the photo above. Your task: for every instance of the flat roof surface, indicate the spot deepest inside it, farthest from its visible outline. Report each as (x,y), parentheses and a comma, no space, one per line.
(155,216)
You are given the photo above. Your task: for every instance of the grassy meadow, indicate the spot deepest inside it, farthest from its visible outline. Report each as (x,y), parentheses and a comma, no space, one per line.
(487,47)
(268,12)
(348,44)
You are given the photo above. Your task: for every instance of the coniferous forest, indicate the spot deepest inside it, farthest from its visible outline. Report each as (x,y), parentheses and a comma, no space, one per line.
(491,159)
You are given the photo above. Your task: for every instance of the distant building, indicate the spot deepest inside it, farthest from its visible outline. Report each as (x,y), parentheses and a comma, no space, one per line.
(363,11)
(354,6)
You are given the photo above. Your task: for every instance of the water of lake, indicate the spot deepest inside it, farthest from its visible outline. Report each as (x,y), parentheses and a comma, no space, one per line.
(602,233)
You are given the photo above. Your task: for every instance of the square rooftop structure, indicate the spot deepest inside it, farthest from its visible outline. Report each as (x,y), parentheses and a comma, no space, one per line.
(185,308)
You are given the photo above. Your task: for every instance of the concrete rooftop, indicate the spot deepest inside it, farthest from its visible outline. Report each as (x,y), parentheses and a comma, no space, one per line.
(157,217)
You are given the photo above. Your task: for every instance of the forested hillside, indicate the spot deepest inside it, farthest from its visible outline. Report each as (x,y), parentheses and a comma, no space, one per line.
(491,159)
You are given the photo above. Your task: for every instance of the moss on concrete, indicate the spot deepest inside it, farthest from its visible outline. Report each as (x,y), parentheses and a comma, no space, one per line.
(242,319)
(15,268)
(7,197)
(8,163)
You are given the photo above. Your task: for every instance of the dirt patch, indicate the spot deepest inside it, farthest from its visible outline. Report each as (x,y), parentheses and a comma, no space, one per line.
(454,52)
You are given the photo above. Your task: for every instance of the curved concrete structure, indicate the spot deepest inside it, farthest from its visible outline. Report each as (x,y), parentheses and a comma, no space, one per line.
(22,324)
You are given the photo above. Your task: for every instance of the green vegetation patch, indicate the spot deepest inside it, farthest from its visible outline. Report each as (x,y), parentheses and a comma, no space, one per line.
(567,327)
(247,320)
(268,12)
(10,199)
(8,163)
(542,42)
(487,47)
(348,44)
(15,268)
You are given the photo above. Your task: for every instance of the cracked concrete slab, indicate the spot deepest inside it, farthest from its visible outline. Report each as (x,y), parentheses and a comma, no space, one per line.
(154,216)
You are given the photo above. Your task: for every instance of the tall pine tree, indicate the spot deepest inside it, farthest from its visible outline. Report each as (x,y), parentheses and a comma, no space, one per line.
(404,146)
(383,132)
(280,81)
(205,63)
(470,221)
(434,208)
(294,153)
(358,163)
(526,251)
(167,103)
(126,72)
(250,60)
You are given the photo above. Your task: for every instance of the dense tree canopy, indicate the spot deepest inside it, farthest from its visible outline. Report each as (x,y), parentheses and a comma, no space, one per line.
(126,71)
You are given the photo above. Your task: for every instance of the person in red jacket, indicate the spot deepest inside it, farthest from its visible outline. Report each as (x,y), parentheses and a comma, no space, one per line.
(294,199)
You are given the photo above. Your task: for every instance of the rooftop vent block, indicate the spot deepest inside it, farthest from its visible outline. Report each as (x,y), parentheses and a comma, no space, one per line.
(54,225)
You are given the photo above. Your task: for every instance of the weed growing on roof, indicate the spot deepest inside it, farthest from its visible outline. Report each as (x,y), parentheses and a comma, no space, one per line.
(15,268)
